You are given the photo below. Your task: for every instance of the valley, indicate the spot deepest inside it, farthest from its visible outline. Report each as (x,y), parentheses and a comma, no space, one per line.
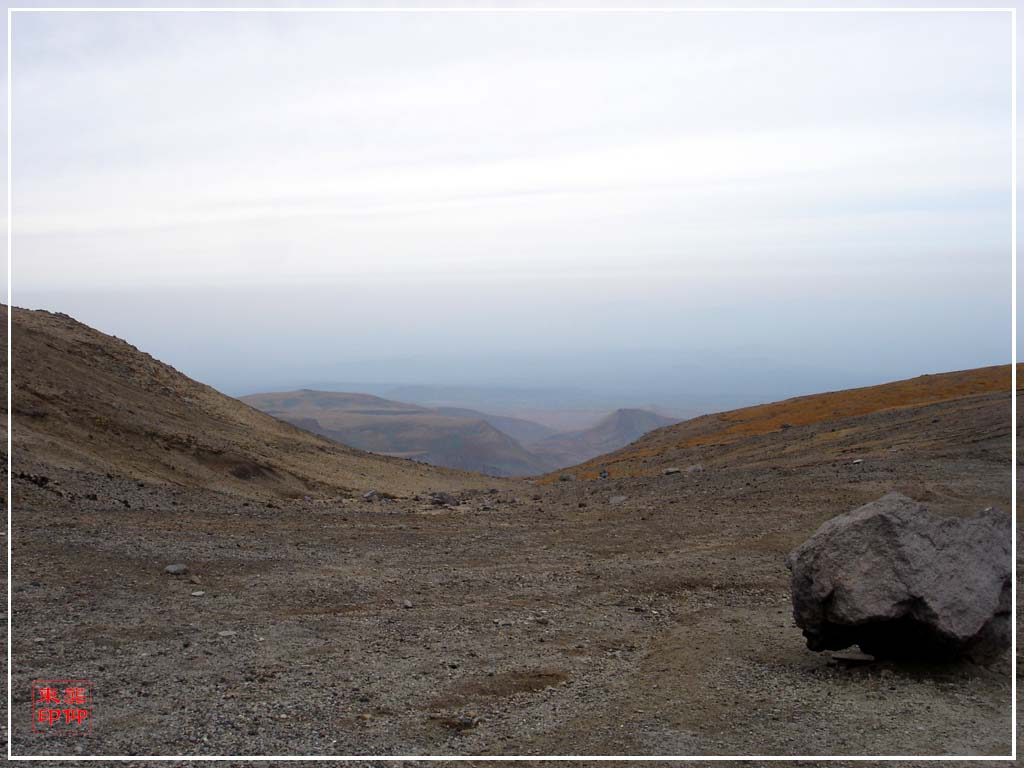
(446,436)
(645,611)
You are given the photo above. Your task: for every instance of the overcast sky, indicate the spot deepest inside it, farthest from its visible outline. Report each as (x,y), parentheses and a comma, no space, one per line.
(640,203)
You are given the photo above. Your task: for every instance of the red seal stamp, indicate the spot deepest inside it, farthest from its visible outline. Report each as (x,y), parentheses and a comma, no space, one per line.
(62,707)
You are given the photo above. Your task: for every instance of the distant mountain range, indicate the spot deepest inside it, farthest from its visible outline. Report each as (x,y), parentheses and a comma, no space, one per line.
(461,438)
(611,433)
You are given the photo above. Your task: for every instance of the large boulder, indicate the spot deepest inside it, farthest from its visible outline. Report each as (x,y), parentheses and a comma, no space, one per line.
(901,582)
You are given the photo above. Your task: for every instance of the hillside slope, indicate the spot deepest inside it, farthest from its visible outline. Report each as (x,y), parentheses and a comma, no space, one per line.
(611,433)
(84,400)
(522,431)
(913,414)
(403,429)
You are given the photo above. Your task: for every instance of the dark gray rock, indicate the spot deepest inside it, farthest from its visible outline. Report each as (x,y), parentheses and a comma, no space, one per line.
(442,499)
(671,471)
(177,569)
(901,582)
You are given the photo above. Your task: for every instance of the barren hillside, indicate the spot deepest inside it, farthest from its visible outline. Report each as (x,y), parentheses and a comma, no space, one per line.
(926,415)
(89,401)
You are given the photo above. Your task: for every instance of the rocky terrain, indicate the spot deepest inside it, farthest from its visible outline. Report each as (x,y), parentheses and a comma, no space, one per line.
(644,612)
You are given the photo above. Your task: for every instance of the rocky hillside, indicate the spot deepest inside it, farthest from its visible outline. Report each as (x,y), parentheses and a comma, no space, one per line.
(928,415)
(87,401)
(458,438)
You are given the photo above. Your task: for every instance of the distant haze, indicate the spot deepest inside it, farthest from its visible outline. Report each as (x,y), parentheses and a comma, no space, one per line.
(689,211)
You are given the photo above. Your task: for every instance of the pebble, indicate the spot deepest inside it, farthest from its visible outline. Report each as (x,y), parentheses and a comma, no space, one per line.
(407,604)
(198,593)
(226,633)
(671,471)
(177,569)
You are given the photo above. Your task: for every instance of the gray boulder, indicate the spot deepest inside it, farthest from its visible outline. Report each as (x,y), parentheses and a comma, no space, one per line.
(901,582)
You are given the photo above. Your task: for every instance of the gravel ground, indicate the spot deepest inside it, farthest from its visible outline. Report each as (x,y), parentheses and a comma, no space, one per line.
(535,619)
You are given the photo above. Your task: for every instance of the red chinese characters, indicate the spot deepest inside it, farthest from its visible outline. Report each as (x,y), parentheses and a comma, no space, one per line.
(62,706)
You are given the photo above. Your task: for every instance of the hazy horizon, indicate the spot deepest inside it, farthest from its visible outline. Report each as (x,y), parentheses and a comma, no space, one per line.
(676,210)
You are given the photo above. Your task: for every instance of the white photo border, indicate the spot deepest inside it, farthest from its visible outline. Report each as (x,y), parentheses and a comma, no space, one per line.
(1012,11)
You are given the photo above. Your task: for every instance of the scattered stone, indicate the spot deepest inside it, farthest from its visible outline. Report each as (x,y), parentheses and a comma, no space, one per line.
(442,499)
(198,593)
(784,425)
(371,496)
(177,569)
(901,582)
(566,478)
(857,461)
(41,480)
(694,468)
(193,579)
(603,474)
(671,471)
(407,604)
(226,633)
(851,658)
(616,500)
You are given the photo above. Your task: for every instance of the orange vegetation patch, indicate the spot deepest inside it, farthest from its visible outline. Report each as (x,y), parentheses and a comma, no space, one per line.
(812,409)
(733,426)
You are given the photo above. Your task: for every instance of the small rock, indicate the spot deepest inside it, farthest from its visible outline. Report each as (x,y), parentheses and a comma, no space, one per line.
(851,658)
(694,468)
(177,569)
(370,496)
(671,471)
(227,633)
(857,461)
(616,500)
(566,478)
(198,593)
(407,604)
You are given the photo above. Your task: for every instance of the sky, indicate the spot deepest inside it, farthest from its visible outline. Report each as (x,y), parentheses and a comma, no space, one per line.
(671,208)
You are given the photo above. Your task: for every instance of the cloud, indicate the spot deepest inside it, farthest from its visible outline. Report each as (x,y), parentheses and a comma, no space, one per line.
(502,153)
